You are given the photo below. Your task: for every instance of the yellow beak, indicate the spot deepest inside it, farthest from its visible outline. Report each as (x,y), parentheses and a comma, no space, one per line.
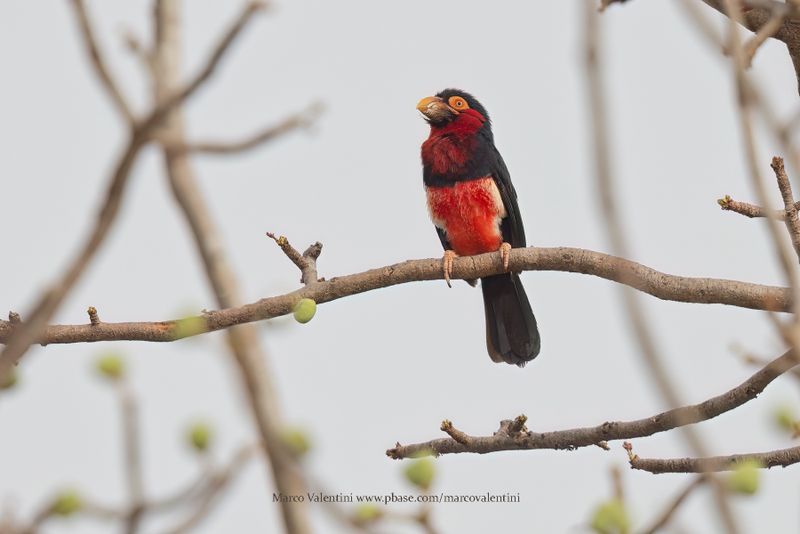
(427,102)
(435,109)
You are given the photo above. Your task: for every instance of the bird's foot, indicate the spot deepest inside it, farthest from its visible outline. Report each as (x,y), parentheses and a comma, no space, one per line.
(447,265)
(505,254)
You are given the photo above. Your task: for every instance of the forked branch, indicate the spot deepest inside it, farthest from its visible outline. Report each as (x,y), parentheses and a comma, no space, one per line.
(513,435)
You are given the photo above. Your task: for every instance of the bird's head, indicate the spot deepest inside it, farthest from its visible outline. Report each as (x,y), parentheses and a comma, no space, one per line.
(453,107)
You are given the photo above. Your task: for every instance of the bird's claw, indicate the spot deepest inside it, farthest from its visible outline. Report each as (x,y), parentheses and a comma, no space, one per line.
(505,254)
(447,265)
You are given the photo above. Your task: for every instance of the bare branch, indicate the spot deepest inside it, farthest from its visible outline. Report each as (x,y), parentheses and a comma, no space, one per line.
(214,58)
(302,120)
(131,440)
(200,494)
(456,434)
(503,440)
(306,262)
(751,210)
(244,343)
(93,50)
(51,299)
(780,457)
(749,359)
(135,47)
(645,279)
(665,517)
(217,483)
(36,320)
(615,229)
(755,14)
(764,32)
(792,222)
(604,4)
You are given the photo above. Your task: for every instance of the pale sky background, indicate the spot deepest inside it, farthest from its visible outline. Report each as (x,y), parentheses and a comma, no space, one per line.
(391,364)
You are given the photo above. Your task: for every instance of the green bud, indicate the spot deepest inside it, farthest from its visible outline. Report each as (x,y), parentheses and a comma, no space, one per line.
(9,380)
(744,478)
(304,310)
(111,366)
(297,440)
(420,472)
(611,518)
(199,436)
(367,512)
(785,418)
(67,503)
(189,326)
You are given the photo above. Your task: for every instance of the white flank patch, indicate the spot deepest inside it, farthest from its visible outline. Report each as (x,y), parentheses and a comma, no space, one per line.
(490,184)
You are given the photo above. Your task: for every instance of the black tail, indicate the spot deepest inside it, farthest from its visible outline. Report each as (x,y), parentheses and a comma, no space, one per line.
(511,332)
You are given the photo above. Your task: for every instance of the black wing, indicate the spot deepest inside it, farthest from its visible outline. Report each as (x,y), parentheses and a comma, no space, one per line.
(443,238)
(511,226)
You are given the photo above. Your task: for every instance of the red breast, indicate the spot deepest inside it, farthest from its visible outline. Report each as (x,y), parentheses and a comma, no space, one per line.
(470,212)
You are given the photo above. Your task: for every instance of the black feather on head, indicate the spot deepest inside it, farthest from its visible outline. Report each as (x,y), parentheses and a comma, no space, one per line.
(471,100)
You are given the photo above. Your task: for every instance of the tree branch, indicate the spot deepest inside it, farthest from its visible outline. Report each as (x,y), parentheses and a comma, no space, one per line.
(216,484)
(306,262)
(216,55)
(31,329)
(505,439)
(301,120)
(769,29)
(46,305)
(752,211)
(669,512)
(780,457)
(759,16)
(759,13)
(245,348)
(131,441)
(791,220)
(93,51)
(645,279)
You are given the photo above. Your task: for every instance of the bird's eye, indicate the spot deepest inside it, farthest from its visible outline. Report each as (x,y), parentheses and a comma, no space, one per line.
(456,102)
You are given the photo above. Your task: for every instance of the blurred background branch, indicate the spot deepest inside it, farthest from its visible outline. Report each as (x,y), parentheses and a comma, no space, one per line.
(242,340)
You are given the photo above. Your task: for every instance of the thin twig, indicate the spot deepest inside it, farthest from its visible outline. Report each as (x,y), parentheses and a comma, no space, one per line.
(785,187)
(98,62)
(752,211)
(666,516)
(302,120)
(217,482)
(131,441)
(170,100)
(306,262)
(136,48)
(616,430)
(766,31)
(758,13)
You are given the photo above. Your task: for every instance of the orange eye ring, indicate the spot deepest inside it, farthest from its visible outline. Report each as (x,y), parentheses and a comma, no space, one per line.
(457,103)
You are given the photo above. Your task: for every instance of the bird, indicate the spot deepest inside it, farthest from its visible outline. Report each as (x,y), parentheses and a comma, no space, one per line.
(473,205)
